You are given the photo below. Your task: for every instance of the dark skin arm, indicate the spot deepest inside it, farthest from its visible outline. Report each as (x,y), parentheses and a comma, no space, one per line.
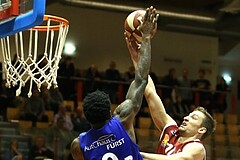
(75,150)
(157,110)
(128,109)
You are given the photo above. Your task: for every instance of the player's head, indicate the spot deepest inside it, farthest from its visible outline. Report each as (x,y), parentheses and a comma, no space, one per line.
(208,122)
(198,123)
(97,107)
(40,141)
(201,73)
(13,143)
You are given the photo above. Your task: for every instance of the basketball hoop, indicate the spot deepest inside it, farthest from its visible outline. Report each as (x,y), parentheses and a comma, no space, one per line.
(35,61)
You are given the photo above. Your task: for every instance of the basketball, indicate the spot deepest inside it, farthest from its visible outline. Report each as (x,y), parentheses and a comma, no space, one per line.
(131,26)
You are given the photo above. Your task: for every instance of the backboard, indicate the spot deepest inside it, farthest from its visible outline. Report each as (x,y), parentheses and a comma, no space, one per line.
(19,15)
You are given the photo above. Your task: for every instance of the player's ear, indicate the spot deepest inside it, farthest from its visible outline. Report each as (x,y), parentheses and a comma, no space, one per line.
(202,130)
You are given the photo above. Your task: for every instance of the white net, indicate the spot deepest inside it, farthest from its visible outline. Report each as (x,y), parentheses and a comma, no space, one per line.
(37,53)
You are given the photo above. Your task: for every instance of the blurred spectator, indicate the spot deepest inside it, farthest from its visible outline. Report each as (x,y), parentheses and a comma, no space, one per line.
(45,95)
(93,76)
(52,98)
(170,81)
(20,103)
(57,98)
(220,95)
(111,88)
(169,106)
(203,85)
(80,124)
(60,137)
(56,95)
(128,77)
(154,77)
(181,109)
(66,67)
(66,84)
(35,107)
(78,72)
(6,96)
(13,153)
(67,119)
(6,92)
(192,107)
(39,151)
(130,74)
(185,90)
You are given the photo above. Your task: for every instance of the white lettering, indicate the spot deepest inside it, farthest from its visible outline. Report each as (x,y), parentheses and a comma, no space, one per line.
(104,140)
(115,144)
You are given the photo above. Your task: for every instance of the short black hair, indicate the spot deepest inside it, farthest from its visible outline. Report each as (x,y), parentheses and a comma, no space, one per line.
(96,107)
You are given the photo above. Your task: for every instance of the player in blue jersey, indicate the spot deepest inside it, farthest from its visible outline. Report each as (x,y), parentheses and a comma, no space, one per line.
(113,137)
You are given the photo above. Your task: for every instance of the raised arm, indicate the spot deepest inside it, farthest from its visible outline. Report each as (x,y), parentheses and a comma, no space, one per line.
(127,110)
(157,110)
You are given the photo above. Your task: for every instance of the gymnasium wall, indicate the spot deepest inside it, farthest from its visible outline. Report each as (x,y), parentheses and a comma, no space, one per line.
(99,38)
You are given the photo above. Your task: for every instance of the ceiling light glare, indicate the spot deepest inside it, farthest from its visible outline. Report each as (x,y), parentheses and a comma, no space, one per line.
(69,49)
(227,78)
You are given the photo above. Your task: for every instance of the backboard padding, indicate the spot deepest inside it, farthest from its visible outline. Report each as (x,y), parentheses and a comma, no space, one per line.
(23,21)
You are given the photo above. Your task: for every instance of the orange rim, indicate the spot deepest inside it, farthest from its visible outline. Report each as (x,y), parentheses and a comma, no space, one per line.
(53,27)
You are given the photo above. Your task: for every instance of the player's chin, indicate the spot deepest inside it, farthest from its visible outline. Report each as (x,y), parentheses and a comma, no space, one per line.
(181,128)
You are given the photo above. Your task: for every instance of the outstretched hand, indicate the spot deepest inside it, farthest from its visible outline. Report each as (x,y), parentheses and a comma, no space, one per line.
(147,26)
(149,22)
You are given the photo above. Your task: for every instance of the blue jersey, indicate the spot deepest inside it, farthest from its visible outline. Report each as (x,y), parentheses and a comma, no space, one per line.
(111,142)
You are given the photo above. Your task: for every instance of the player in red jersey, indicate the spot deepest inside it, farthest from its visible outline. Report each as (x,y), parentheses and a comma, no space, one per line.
(183,142)
(176,143)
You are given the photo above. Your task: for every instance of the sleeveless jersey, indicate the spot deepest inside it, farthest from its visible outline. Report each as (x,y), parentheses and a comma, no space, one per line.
(168,143)
(111,142)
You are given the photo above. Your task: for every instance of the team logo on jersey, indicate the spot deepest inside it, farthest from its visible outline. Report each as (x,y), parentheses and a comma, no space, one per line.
(103,140)
(173,132)
(165,140)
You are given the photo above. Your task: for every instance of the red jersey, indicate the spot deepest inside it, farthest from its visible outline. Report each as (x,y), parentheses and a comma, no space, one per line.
(168,143)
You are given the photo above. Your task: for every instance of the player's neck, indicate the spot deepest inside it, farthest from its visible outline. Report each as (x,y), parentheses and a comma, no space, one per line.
(99,125)
(183,139)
